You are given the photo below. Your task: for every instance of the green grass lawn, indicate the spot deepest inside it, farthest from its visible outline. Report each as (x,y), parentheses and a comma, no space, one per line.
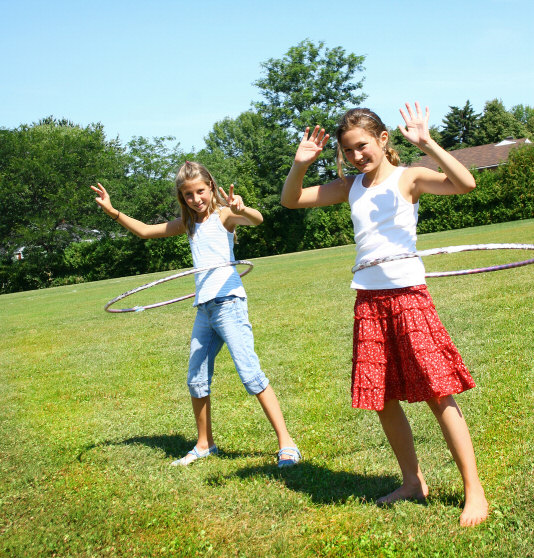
(94,407)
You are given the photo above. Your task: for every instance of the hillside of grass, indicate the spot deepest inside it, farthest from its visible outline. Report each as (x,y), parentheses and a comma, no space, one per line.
(94,407)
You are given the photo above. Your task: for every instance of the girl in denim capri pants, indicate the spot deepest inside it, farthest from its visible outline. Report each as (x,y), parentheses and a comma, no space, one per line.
(209,218)
(401,350)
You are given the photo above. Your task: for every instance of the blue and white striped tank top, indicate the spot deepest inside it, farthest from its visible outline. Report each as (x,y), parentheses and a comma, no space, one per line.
(212,244)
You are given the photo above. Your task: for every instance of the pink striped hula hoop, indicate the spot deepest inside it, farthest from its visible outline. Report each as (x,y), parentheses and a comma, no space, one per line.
(453,250)
(193,271)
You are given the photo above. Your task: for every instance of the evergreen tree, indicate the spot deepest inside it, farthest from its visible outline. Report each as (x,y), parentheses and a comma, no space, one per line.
(460,127)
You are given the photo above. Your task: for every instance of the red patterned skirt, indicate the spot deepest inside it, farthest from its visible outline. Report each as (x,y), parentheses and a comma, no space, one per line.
(402,350)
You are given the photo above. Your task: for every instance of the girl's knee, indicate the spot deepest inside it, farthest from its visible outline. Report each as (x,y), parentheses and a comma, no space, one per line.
(439,405)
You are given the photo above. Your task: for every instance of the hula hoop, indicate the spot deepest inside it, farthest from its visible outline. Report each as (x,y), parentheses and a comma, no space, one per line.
(453,250)
(193,271)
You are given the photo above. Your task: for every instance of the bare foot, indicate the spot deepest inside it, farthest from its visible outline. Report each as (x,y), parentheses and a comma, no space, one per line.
(476,508)
(417,491)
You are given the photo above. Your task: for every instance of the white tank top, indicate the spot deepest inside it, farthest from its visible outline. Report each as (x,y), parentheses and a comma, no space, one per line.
(384,225)
(212,244)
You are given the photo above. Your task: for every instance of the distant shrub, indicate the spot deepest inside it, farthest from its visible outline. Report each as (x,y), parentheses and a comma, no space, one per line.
(168,253)
(105,258)
(506,194)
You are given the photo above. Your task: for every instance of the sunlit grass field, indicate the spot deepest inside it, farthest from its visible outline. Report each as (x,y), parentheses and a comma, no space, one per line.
(94,407)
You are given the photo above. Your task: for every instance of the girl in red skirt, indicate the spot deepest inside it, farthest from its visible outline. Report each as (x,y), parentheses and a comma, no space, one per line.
(402,352)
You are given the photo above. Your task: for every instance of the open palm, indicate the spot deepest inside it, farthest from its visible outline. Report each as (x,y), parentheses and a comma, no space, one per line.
(416,129)
(311,146)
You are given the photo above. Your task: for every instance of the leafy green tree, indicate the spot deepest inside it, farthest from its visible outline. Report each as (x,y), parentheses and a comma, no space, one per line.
(310,85)
(45,172)
(148,187)
(145,191)
(525,115)
(460,127)
(256,153)
(497,123)
(256,156)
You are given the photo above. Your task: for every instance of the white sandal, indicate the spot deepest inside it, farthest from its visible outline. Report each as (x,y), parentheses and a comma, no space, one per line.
(292,457)
(194,454)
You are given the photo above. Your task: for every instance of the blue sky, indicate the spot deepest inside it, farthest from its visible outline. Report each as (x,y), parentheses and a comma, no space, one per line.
(171,67)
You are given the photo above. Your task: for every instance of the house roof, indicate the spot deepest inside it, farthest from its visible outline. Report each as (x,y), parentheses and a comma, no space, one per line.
(480,157)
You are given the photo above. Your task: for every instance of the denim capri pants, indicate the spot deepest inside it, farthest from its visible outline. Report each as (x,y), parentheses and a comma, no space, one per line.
(218,321)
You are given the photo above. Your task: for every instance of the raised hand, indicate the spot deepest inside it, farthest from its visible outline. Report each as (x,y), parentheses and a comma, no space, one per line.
(311,146)
(416,130)
(235,202)
(103,199)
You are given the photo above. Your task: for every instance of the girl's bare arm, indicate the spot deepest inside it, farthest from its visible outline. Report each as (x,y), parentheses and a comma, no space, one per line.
(455,178)
(171,228)
(294,196)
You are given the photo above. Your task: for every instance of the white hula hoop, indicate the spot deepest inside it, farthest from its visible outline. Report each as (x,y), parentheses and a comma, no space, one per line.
(453,250)
(193,271)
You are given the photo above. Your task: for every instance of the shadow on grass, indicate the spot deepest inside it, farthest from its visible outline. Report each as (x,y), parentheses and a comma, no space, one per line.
(174,446)
(323,485)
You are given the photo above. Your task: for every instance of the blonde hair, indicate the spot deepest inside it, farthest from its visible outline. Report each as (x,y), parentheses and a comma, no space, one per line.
(191,170)
(371,123)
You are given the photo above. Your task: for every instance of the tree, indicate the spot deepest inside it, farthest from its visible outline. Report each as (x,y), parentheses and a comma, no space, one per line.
(255,155)
(148,188)
(525,115)
(310,85)
(460,127)
(258,153)
(497,123)
(45,173)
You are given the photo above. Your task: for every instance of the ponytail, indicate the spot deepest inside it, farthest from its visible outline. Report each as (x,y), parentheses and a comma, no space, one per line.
(392,155)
